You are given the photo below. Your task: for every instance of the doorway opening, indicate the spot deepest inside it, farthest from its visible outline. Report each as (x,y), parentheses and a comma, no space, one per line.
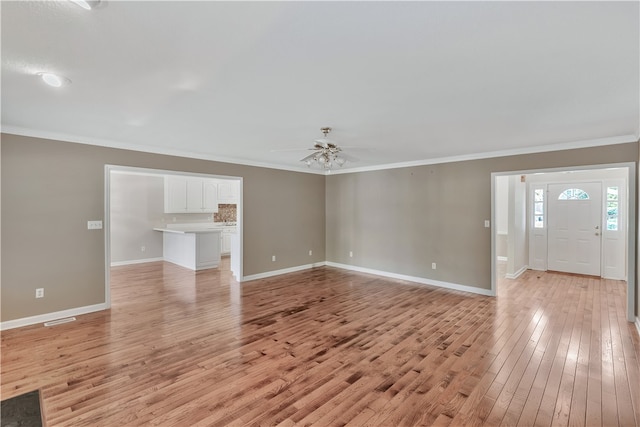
(139,200)
(575,220)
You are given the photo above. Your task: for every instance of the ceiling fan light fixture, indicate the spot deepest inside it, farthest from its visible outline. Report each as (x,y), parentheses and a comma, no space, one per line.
(327,153)
(53,80)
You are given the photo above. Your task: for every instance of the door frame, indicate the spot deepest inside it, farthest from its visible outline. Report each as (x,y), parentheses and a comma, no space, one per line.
(630,217)
(161,172)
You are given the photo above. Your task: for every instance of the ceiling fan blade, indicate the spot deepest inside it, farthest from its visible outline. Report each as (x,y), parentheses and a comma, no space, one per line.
(324,142)
(309,157)
(325,152)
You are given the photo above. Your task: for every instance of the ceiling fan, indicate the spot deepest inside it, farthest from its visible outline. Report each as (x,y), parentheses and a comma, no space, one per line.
(326,153)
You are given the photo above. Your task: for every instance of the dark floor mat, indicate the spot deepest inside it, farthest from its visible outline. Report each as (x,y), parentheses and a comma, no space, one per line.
(21,411)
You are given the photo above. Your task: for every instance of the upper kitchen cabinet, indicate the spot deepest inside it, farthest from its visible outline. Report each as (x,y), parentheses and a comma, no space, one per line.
(175,194)
(190,195)
(228,192)
(210,195)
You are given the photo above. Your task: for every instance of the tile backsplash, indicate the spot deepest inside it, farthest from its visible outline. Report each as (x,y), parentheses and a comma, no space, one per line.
(226,213)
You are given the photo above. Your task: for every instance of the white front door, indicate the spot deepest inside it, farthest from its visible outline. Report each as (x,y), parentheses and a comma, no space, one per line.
(574,235)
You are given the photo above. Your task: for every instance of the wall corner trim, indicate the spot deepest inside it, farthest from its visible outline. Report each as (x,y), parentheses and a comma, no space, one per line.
(47,317)
(419,280)
(517,273)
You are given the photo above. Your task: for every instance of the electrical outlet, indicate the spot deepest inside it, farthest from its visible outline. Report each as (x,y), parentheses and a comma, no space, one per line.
(143,248)
(40,293)
(310,252)
(350,254)
(433,265)
(273,258)
(94,225)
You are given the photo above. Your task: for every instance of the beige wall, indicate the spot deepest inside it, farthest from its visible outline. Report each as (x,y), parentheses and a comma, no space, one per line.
(402,220)
(50,189)
(397,220)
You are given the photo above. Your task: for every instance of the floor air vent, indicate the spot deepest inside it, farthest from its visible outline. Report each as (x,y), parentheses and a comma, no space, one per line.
(60,321)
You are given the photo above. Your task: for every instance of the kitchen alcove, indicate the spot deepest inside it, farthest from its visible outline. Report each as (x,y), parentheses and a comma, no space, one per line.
(136,205)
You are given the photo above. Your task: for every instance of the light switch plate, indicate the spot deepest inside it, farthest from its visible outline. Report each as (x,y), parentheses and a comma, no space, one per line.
(487,223)
(94,225)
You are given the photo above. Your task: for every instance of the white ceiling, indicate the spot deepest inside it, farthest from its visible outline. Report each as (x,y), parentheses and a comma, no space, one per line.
(403,81)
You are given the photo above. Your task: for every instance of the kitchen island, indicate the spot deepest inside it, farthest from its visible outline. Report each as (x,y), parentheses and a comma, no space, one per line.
(192,246)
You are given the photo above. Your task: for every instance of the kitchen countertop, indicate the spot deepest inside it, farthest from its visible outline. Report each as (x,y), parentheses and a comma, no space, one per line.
(196,228)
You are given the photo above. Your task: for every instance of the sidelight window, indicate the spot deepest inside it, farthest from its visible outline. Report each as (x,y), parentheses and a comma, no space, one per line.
(613,205)
(538,208)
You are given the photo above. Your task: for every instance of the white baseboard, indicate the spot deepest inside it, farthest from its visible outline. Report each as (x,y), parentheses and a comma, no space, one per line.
(279,272)
(135,261)
(517,273)
(420,280)
(47,317)
(638,324)
(32,320)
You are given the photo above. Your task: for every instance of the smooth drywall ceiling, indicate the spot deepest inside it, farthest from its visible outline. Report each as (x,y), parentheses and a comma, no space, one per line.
(402,220)
(50,189)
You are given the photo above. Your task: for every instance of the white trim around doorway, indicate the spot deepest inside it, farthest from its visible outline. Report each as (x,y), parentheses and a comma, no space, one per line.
(630,218)
(159,172)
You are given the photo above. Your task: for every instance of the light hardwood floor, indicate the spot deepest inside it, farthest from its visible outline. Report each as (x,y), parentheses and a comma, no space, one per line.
(330,347)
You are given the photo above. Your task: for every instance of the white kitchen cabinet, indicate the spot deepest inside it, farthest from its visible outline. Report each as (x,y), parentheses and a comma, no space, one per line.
(194,195)
(190,195)
(207,251)
(225,242)
(210,195)
(175,194)
(228,192)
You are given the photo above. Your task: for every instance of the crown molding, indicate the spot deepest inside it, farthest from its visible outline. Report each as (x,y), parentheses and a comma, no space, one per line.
(64,137)
(621,139)
(59,136)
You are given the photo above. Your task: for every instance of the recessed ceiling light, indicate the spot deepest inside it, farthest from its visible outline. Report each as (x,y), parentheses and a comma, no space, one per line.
(54,79)
(86,4)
